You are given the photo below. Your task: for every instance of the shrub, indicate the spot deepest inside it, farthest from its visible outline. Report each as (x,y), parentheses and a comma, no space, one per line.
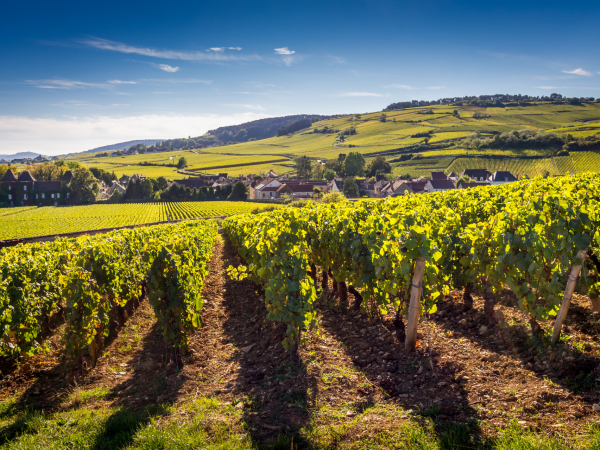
(333,197)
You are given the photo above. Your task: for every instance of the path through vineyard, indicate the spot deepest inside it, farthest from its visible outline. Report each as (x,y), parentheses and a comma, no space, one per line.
(353,363)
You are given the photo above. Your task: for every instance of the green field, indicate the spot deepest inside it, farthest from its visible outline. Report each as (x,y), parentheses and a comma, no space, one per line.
(32,221)
(373,136)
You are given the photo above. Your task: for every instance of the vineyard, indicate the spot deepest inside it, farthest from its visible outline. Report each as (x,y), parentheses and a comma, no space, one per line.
(32,221)
(446,320)
(404,254)
(95,280)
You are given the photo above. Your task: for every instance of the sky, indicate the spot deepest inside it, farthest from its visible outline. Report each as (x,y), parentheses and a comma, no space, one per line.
(78,75)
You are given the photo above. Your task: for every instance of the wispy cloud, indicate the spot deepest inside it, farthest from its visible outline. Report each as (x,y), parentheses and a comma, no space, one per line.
(245,106)
(579,71)
(121,82)
(336,59)
(435,88)
(105,44)
(165,67)
(65,84)
(360,94)
(284,51)
(222,49)
(399,86)
(550,87)
(156,81)
(80,104)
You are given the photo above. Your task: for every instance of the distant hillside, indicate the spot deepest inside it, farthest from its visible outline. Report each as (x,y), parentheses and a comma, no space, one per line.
(122,145)
(20,155)
(259,129)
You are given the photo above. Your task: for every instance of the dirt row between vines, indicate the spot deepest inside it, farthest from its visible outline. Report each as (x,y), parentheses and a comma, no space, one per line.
(477,374)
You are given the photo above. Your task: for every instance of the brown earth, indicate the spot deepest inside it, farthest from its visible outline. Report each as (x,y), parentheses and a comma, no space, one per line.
(495,374)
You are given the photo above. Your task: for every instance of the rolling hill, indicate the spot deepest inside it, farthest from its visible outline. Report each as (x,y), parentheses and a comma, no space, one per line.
(415,140)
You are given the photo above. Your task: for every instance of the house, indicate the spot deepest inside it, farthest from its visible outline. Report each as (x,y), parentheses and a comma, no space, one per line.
(439,185)
(502,177)
(476,174)
(336,185)
(470,184)
(25,190)
(438,176)
(115,187)
(296,190)
(379,185)
(409,187)
(368,187)
(266,188)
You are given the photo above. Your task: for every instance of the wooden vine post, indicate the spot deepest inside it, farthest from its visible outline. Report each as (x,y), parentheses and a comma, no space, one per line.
(571,283)
(414,308)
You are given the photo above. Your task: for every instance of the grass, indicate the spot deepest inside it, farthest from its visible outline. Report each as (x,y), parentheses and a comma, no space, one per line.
(202,423)
(205,423)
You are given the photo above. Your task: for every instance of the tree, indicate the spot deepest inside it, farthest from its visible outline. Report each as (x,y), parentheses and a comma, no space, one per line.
(84,186)
(383,118)
(335,166)
(317,191)
(182,163)
(238,192)
(378,165)
(329,174)
(317,171)
(303,166)
(354,164)
(351,188)
(161,183)
(463,179)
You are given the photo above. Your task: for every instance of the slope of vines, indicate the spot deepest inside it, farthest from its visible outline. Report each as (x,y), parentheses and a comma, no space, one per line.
(92,278)
(523,235)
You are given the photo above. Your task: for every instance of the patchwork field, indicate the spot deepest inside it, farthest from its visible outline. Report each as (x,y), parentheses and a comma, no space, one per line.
(402,131)
(31,221)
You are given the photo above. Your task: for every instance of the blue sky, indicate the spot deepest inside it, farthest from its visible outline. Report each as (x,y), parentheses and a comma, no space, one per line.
(77,75)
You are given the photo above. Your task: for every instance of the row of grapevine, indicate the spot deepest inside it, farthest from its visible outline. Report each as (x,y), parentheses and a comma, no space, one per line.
(525,235)
(90,277)
(31,221)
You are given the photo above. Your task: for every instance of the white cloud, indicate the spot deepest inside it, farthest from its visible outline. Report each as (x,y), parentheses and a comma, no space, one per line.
(105,44)
(65,84)
(435,88)
(240,105)
(284,51)
(121,82)
(360,94)
(165,67)
(76,134)
(400,86)
(579,71)
(222,49)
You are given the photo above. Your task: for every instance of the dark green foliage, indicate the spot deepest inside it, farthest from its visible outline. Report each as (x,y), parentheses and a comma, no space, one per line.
(238,192)
(351,189)
(303,166)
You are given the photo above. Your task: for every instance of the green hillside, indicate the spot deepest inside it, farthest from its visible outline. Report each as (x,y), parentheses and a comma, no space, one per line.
(435,133)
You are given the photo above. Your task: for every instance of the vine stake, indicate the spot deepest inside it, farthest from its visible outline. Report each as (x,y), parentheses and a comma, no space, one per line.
(414,307)
(564,307)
